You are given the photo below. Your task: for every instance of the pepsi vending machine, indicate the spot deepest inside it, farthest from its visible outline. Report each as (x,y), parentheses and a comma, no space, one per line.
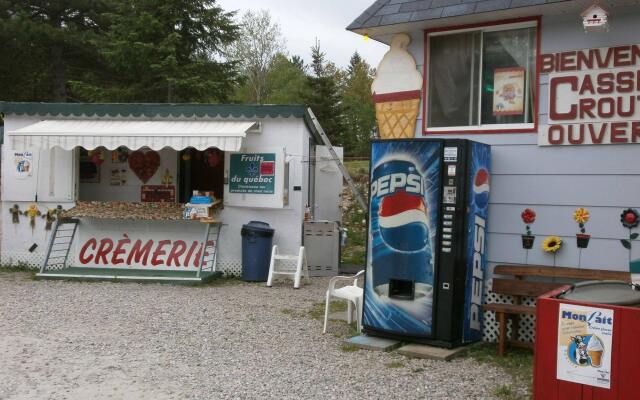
(426,245)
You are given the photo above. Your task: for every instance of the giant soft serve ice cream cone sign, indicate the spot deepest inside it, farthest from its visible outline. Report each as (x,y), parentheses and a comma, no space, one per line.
(396,91)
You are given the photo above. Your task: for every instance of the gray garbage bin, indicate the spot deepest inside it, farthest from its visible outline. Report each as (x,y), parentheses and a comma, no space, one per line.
(257,241)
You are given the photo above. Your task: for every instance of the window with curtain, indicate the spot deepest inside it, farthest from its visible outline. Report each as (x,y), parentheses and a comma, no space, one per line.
(481,78)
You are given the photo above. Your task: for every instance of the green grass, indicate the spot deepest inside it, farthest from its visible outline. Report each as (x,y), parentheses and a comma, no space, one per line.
(317,310)
(348,348)
(357,167)
(517,362)
(394,364)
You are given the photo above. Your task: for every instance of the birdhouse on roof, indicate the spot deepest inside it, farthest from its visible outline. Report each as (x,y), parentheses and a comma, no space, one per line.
(595,19)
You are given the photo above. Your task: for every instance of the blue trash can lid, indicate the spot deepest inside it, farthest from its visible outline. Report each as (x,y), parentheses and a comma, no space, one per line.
(258,227)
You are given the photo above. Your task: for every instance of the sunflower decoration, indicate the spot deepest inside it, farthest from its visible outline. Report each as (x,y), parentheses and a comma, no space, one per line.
(552,244)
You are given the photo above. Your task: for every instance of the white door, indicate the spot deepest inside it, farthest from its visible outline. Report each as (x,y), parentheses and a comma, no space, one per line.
(328,182)
(57,175)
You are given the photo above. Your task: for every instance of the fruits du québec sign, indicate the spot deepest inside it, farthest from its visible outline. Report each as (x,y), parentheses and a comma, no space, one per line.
(594,96)
(252,173)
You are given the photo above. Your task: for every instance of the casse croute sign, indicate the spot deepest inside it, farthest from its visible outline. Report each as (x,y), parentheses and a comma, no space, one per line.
(594,96)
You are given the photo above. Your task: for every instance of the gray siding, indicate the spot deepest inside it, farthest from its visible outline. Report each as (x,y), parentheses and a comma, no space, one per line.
(556,180)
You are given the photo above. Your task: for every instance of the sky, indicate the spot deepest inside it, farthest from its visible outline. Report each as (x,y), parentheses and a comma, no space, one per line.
(301,21)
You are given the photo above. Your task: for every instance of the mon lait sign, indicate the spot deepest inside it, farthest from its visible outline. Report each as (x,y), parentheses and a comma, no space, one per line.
(584,345)
(252,173)
(594,96)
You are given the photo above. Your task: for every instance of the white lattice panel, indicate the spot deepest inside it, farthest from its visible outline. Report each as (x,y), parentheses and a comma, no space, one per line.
(490,331)
(230,267)
(11,258)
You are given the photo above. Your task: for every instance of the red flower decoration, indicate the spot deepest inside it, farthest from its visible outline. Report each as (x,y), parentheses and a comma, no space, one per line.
(630,218)
(528,216)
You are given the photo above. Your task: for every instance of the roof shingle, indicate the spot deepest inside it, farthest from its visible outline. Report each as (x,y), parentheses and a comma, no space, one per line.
(389,12)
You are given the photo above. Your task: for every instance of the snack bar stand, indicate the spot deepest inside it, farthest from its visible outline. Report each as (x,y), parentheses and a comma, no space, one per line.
(158,191)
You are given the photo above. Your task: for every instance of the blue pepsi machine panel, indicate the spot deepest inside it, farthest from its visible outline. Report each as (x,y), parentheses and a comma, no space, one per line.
(403,219)
(476,234)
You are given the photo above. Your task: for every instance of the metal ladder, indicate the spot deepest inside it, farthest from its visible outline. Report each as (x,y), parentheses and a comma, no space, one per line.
(209,255)
(60,244)
(336,159)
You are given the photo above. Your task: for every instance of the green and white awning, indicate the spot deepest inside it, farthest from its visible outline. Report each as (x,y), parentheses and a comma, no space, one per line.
(133,134)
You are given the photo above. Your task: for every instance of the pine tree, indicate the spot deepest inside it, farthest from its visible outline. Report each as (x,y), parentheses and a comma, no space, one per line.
(324,95)
(165,51)
(44,44)
(359,111)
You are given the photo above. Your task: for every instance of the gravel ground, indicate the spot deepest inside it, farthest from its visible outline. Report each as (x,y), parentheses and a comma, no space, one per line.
(78,340)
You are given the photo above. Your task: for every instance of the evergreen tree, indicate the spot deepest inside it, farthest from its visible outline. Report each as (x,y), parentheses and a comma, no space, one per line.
(44,44)
(165,51)
(286,82)
(359,110)
(324,95)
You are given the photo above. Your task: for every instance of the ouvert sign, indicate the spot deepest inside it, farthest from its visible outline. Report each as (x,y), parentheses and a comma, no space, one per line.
(594,96)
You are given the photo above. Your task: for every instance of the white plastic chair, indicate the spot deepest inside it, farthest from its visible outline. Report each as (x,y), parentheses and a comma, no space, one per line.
(352,294)
(286,268)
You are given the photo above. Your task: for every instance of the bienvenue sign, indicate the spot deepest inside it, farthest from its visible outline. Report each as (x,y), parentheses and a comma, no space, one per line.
(594,96)
(252,173)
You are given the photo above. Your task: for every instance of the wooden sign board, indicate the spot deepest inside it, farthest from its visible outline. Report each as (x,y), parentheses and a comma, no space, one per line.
(158,193)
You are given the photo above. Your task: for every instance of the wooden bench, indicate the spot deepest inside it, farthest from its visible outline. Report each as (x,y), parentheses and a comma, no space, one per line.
(518,287)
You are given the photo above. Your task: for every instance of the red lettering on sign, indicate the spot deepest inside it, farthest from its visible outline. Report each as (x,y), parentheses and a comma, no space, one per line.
(605,83)
(193,247)
(559,131)
(625,81)
(86,259)
(138,252)
(635,132)
(546,63)
(586,108)
(568,61)
(119,250)
(621,56)
(572,81)
(106,245)
(597,139)
(618,134)
(574,140)
(630,111)
(155,260)
(587,85)
(179,246)
(603,63)
(610,103)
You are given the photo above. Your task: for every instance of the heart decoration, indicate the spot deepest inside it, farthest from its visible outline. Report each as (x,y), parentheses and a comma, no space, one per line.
(144,165)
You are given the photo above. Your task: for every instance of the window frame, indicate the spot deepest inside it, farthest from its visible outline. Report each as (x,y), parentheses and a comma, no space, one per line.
(494,26)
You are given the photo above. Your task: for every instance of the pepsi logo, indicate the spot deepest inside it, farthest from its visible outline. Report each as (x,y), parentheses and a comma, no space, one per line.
(403,221)
(481,188)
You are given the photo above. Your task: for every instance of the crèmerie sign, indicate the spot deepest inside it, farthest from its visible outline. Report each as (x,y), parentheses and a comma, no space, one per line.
(252,173)
(594,96)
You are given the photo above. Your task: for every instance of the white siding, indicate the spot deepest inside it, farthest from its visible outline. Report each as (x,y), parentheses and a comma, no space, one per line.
(553,180)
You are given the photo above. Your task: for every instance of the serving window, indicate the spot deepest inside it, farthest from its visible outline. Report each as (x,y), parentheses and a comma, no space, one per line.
(146,175)
(482,78)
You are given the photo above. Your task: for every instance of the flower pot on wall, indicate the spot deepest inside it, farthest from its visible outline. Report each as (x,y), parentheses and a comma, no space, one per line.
(527,241)
(583,240)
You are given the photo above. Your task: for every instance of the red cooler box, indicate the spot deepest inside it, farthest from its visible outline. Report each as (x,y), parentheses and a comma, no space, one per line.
(588,343)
